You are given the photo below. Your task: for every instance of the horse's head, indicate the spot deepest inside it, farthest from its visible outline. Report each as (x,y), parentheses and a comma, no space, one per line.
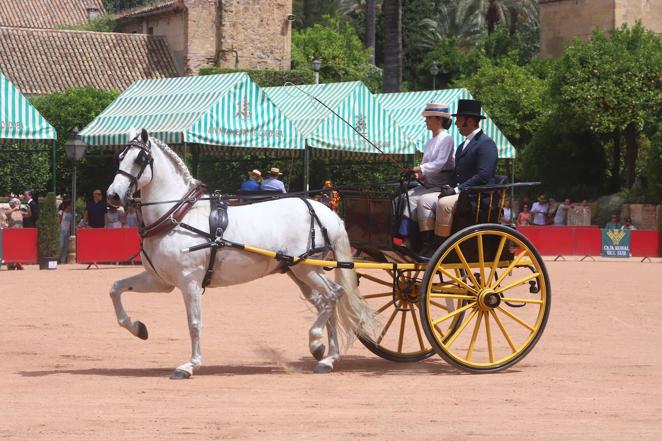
(135,169)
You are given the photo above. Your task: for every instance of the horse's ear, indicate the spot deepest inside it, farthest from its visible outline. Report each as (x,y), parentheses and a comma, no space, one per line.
(144,136)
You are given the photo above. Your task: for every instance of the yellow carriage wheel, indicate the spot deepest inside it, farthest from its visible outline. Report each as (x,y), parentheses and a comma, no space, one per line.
(400,335)
(505,288)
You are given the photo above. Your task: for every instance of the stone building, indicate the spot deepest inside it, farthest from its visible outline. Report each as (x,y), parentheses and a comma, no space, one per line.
(226,33)
(561,20)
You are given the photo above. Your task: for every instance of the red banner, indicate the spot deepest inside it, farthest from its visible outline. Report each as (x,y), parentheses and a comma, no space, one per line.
(97,245)
(19,245)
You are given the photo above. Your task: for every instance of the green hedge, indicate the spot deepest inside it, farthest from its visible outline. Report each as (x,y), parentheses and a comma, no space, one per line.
(266,77)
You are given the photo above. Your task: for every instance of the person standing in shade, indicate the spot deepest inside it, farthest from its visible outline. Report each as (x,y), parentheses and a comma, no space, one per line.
(30,221)
(561,216)
(95,211)
(131,220)
(272,183)
(539,211)
(628,224)
(613,223)
(66,221)
(475,163)
(253,181)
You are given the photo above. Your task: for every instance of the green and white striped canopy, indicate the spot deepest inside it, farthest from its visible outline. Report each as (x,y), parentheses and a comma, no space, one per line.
(406,108)
(352,102)
(219,110)
(19,120)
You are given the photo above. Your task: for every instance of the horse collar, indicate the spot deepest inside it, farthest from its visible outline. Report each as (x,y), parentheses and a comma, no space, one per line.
(174,216)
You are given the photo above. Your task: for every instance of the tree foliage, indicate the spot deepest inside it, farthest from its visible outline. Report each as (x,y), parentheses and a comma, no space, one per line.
(267,77)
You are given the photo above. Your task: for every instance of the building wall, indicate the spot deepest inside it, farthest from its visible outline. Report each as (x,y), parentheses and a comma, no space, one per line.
(561,20)
(258,31)
(168,25)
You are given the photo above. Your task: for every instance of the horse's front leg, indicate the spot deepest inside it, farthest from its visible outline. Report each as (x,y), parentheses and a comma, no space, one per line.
(192,293)
(143,282)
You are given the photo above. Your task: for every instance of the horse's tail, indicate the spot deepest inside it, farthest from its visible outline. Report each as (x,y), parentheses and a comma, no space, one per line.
(353,313)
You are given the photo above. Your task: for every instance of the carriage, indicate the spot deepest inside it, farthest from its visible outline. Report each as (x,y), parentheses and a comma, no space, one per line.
(481,301)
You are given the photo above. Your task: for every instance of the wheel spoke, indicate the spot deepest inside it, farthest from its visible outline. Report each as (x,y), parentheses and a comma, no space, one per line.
(517,283)
(458,281)
(474,335)
(503,330)
(451,314)
(481,260)
(457,333)
(514,300)
(517,319)
(452,296)
(488,331)
(376,279)
(402,330)
(467,268)
(387,326)
(385,307)
(497,258)
(510,268)
(417,326)
(381,294)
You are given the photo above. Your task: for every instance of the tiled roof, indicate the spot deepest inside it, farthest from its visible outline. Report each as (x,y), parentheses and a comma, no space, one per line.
(40,61)
(152,8)
(45,14)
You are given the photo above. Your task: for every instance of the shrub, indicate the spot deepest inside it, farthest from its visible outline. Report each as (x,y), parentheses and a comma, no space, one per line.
(266,77)
(49,227)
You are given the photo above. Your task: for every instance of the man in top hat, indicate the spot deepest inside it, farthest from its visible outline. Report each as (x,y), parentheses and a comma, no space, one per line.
(436,169)
(253,181)
(475,163)
(272,183)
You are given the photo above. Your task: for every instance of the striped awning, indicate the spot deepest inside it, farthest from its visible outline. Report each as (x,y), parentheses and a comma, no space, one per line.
(19,120)
(406,108)
(226,110)
(333,117)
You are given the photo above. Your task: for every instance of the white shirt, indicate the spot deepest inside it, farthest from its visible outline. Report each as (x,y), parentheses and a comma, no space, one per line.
(469,137)
(438,156)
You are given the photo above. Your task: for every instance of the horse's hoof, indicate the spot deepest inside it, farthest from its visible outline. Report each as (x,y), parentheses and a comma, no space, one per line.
(142,331)
(321,368)
(318,352)
(180,375)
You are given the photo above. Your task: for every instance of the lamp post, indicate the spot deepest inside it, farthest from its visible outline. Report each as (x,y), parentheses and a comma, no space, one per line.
(316,64)
(75,149)
(434,71)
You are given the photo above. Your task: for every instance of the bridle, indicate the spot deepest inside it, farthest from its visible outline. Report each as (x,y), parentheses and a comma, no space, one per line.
(143,160)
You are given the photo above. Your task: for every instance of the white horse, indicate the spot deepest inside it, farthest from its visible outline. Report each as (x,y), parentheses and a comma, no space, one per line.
(150,166)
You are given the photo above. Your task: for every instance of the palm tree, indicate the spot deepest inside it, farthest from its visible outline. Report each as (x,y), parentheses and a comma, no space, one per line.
(392,11)
(359,9)
(507,12)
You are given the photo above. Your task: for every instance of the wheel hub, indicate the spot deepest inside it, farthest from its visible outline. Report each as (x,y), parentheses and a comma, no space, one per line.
(488,299)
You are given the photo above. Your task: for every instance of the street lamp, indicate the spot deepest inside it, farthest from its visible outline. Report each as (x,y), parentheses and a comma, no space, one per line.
(434,71)
(316,64)
(75,149)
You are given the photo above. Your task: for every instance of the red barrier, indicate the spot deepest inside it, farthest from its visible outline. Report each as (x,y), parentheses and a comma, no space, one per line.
(19,245)
(645,243)
(587,241)
(97,245)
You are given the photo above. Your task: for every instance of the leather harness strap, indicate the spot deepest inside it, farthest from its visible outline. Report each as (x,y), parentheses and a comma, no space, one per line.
(173,216)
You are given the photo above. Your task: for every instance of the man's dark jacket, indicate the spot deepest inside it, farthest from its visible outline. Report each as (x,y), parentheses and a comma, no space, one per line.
(475,164)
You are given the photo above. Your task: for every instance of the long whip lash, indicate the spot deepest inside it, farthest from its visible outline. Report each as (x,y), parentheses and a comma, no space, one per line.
(313,97)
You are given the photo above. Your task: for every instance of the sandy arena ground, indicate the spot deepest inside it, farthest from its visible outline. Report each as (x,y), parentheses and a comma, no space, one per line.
(69,372)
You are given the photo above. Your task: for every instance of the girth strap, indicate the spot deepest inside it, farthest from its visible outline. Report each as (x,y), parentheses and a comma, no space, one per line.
(218,222)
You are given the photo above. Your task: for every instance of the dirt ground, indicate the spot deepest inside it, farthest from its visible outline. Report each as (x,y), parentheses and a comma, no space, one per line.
(69,372)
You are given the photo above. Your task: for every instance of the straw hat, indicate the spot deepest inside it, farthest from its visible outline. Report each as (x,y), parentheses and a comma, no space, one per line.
(275,171)
(255,173)
(434,109)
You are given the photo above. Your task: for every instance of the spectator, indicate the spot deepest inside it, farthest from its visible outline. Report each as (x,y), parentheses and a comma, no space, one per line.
(272,183)
(114,217)
(539,211)
(131,220)
(506,214)
(613,223)
(561,216)
(95,211)
(329,196)
(66,222)
(628,224)
(524,218)
(253,181)
(30,221)
(15,217)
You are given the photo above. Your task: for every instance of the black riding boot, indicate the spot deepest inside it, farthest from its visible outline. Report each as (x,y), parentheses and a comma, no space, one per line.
(428,243)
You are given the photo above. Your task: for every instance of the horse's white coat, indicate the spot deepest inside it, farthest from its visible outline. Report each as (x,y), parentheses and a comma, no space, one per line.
(281,225)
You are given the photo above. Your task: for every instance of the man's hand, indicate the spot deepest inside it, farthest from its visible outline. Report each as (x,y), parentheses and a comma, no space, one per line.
(446,190)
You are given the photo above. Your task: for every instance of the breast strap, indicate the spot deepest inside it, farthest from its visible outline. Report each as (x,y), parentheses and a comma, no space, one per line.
(175,214)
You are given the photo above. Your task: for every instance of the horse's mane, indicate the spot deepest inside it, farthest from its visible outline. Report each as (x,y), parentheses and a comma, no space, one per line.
(175,159)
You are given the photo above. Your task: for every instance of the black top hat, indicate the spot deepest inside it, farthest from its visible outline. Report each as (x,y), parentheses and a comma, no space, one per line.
(468,108)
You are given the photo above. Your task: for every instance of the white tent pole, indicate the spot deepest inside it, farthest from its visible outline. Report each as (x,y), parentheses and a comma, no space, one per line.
(306,168)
